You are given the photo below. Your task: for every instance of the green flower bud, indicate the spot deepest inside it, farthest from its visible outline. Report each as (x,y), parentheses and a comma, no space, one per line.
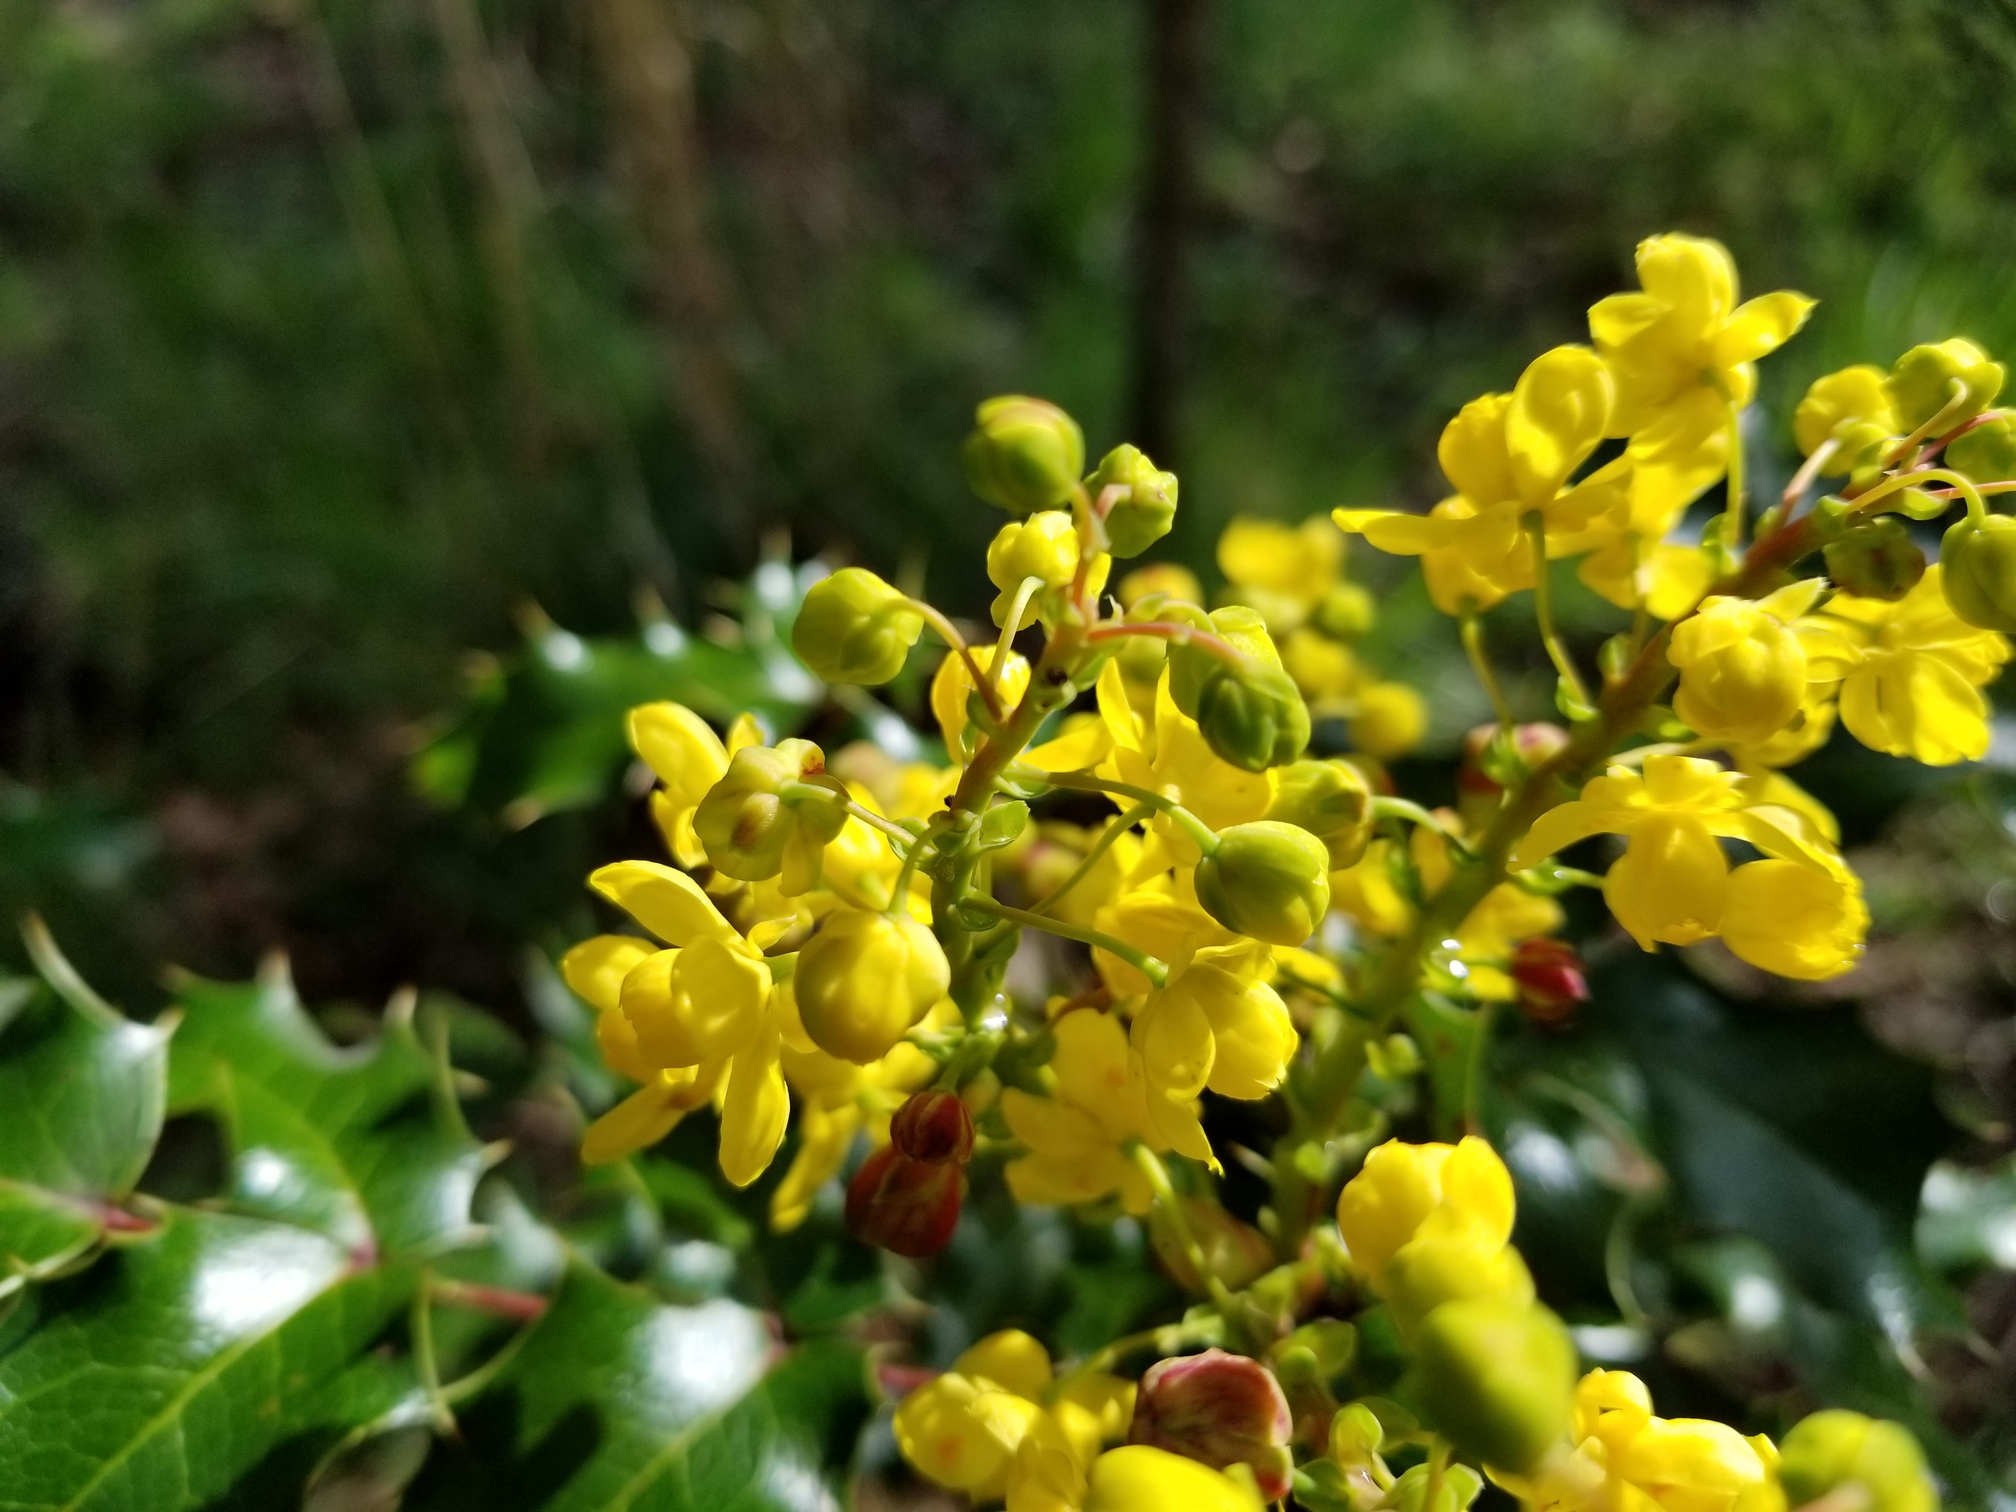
(1460,1487)
(1987,453)
(1922,383)
(1024,454)
(764,817)
(1835,1448)
(1346,612)
(855,628)
(1330,799)
(1977,570)
(1496,1377)
(864,979)
(1268,880)
(1142,515)
(1437,1268)
(1876,560)
(1251,712)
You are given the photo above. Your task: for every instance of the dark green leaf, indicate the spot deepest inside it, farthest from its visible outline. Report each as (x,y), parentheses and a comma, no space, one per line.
(617,1401)
(1968,1218)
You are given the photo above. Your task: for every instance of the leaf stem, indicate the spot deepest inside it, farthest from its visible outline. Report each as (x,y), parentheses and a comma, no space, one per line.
(1543,609)
(1480,663)
(1104,843)
(1205,838)
(949,633)
(1156,971)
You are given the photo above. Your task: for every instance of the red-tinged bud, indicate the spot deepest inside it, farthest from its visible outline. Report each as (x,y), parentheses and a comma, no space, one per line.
(934,1127)
(906,1206)
(1493,761)
(1221,1410)
(1549,975)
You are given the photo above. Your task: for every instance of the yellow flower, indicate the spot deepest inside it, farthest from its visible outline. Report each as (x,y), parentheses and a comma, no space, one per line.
(1852,410)
(963,1429)
(1742,670)
(1216,1023)
(1139,1478)
(952,688)
(1683,351)
(1043,546)
(1409,1191)
(1623,1459)
(1281,570)
(687,758)
(1325,670)
(864,979)
(1510,456)
(1155,920)
(1674,885)
(1625,556)
(1076,1138)
(1390,721)
(1913,671)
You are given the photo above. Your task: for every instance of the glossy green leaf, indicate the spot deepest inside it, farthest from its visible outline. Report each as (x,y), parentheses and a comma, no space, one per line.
(616,1401)
(209,1363)
(82,1093)
(362,1144)
(1968,1218)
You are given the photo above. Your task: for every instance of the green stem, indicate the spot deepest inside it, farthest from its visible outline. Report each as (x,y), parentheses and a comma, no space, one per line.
(1480,663)
(949,633)
(868,817)
(1202,834)
(1438,1469)
(1104,843)
(1175,633)
(1156,971)
(1543,608)
(1031,586)
(1172,1207)
(1384,807)
(1473,1071)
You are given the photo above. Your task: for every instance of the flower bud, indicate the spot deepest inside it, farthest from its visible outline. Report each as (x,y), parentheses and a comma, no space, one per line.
(1331,800)
(1742,670)
(1548,974)
(933,1127)
(1345,612)
(1460,1487)
(1268,880)
(1837,1448)
(855,628)
(1926,379)
(1977,570)
(1390,721)
(1250,712)
(1167,579)
(1023,454)
(753,829)
(1218,1409)
(1142,1478)
(908,1207)
(962,1431)
(1876,559)
(1045,547)
(1142,514)
(1987,453)
(1496,1377)
(1436,1268)
(1494,761)
(1850,408)
(864,979)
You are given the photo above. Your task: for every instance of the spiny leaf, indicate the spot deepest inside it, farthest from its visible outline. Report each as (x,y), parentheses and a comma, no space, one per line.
(617,1403)
(208,1363)
(361,1144)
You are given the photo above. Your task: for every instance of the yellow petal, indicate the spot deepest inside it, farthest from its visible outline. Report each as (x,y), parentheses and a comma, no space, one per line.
(754,1111)
(679,746)
(595,968)
(667,902)
(1558,413)
(638,1122)
(1082,741)
(1473,453)
(1760,326)
(1671,884)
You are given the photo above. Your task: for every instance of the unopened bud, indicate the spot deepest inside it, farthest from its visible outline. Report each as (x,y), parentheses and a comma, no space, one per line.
(1987,453)
(934,1127)
(1836,1448)
(1850,408)
(1929,378)
(1390,721)
(1143,511)
(909,1207)
(1044,547)
(1345,612)
(1219,1409)
(754,828)
(855,628)
(1548,974)
(1439,1268)
(1877,559)
(1331,800)
(1977,570)
(1024,454)
(1495,759)
(1249,709)
(1235,1253)
(864,979)
(1268,880)
(1496,1377)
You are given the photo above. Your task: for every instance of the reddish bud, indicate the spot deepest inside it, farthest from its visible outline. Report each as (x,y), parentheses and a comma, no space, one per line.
(908,1207)
(1549,975)
(934,1127)
(1219,1409)
(1490,758)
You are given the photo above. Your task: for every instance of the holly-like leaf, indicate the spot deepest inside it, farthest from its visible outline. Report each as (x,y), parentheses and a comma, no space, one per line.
(209,1363)
(82,1091)
(361,1144)
(616,1401)
(1967,1218)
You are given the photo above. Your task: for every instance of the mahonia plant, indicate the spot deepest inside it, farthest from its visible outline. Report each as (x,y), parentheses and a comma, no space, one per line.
(834,935)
